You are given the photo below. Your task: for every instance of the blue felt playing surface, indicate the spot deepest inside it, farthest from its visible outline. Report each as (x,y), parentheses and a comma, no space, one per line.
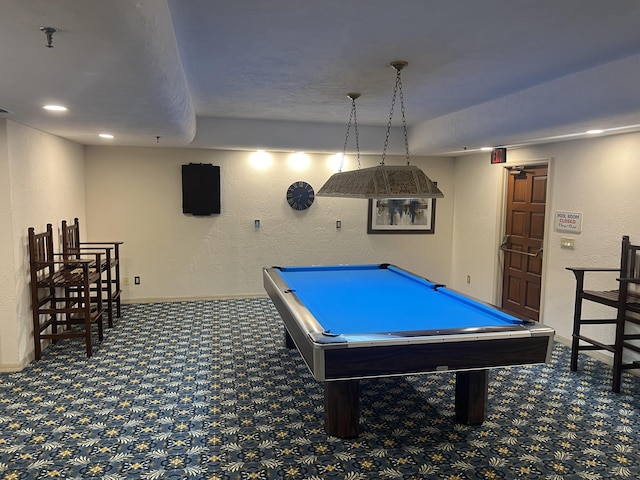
(369,299)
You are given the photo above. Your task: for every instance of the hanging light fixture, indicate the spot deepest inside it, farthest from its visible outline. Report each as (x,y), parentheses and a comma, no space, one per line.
(382,181)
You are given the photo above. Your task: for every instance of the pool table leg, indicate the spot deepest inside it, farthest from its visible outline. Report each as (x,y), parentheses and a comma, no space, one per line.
(342,408)
(471,396)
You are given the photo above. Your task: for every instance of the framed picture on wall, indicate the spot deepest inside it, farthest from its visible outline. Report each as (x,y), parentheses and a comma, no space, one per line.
(402,215)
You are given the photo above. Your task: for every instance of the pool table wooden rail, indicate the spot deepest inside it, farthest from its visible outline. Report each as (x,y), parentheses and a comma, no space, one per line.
(432,357)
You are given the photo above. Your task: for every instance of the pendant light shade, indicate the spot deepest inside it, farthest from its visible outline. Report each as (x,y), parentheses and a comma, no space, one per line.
(382,181)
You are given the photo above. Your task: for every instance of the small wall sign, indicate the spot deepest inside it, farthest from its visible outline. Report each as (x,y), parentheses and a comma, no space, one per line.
(568,222)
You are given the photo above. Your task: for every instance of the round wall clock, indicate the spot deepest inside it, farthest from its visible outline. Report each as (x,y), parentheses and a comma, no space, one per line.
(300,195)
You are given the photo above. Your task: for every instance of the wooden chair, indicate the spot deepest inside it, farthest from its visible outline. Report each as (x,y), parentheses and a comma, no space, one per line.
(61,293)
(626,302)
(72,247)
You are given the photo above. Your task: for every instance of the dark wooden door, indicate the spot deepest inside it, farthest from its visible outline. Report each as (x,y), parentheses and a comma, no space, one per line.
(522,245)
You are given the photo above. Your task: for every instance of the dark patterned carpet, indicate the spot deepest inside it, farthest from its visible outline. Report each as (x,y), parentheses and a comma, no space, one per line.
(206,390)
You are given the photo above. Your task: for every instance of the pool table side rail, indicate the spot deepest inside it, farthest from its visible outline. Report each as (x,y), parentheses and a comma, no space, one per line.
(297,319)
(473,303)
(417,336)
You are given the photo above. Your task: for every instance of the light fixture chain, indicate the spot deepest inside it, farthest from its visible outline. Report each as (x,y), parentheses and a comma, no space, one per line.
(352,116)
(346,137)
(404,120)
(355,128)
(393,104)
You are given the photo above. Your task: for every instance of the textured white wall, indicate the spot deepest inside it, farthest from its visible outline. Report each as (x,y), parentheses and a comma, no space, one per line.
(596,176)
(46,182)
(135,195)
(8,324)
(476,220)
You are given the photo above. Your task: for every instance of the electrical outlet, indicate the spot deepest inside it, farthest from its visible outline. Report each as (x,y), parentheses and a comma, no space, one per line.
(125,281)
(136,280)
(468,278)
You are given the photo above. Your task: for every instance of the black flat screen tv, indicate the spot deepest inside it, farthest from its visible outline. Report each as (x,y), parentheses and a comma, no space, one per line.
(200,189)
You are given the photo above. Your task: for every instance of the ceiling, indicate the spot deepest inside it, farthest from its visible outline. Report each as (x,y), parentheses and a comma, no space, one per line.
(270,73)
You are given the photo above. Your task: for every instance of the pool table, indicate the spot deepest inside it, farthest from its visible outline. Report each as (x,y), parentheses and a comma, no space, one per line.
(352,322)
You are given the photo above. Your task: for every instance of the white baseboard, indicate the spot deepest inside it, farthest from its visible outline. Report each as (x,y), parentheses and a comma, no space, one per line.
(134,301)
(16,367)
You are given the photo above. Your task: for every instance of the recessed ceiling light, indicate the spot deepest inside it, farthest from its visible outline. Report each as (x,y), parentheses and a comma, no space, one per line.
(299,161)
(105,135)
(55,108)
(260,160)
(593,132)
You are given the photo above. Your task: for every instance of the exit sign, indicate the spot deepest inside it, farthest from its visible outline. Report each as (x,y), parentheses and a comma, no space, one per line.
(499,155)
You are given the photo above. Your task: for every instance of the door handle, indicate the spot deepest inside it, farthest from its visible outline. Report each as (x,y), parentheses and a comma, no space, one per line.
(504,247)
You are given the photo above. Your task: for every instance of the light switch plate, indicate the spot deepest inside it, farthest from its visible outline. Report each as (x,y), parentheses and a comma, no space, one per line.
(569,243)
